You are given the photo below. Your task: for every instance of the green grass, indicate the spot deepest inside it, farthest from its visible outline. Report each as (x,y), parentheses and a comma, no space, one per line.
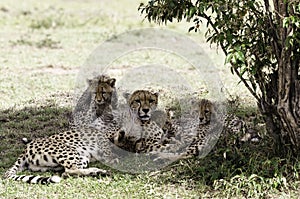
(44,44)
(118,186)
(247,170)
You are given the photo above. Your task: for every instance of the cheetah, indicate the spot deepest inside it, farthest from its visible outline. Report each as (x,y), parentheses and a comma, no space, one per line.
(139,131)
(103,92)
(70,151)
(194,135)
(74,149)
(206,127)
(99,99)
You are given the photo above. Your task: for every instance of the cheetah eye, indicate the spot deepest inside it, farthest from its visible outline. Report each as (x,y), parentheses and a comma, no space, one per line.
(137,101)
(206,111)
(151,100)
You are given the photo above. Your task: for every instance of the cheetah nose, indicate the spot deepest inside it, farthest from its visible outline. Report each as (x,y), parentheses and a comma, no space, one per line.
(145,110)
(201,119)
(98,101)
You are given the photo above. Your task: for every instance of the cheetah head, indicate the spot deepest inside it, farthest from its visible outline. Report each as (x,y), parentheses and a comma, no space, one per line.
(103,88)
(205,111)
(142,103)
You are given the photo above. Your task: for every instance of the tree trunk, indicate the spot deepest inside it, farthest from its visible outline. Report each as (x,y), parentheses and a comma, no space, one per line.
(288,100)
(272,127)
(288,97)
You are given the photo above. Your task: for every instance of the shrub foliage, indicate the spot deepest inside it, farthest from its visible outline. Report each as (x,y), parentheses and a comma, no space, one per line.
(261,41)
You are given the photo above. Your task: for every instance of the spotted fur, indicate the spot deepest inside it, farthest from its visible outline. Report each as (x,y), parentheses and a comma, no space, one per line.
(140,133)
(191,135)
(99,99)
(70,150)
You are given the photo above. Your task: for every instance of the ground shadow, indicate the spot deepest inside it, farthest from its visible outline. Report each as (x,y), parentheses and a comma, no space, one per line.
(38,119)
(224,163)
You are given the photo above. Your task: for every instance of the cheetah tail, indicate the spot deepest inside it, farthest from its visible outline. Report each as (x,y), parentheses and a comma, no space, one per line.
(18,166)
(35,179)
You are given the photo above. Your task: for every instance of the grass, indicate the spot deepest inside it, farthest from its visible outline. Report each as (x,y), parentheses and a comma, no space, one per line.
(43,46)
(248,170)
(119,186)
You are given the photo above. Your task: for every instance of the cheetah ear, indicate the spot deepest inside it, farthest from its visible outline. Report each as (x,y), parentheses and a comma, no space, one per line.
(89,81)
(121,134)
(92,81)
(112,82)
(126,95)
(194,102)
(90,84)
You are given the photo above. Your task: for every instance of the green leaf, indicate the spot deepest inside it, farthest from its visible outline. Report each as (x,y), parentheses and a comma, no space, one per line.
(242,71)
(228,58)
(192,12)
(240,56)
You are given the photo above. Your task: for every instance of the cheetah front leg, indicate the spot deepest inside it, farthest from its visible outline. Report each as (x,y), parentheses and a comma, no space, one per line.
(79,169)
(196,148)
